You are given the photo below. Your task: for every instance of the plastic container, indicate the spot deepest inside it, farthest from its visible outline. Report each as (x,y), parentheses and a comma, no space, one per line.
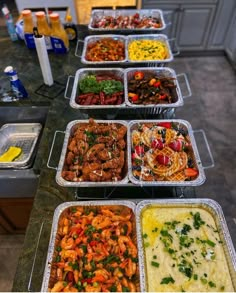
(59,38)
(9,23)
(28,28)
(70,28)
(43,28)
(16,85)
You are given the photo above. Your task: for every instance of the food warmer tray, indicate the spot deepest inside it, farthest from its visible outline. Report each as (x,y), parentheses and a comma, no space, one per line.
(125,75)
(126,40)
(23,135)
(97,14)
(61,181)
(209,205)
(129,180)
(57,213)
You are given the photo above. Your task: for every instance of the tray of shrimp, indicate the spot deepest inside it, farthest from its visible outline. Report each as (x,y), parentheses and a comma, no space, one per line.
(163,153)
(93,248)
(94,153)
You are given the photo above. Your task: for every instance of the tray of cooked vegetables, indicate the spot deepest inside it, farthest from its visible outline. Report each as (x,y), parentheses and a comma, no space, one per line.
(117,88)
(127,20)
(120,49)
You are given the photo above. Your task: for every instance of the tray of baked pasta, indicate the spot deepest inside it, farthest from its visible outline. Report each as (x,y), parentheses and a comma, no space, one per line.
(185,246)
(93,248)
(163,153)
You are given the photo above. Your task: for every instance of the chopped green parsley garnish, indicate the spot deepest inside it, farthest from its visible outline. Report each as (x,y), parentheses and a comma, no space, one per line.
(155,264)
(167,280)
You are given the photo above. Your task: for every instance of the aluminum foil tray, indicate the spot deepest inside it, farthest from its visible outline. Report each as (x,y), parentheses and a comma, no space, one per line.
(152,37)
(98,14)
(68,133)
(144,143)
(62,209)
(215,213)
(91,39)
(23,135)
(159,71)
(126,40)
(81,73)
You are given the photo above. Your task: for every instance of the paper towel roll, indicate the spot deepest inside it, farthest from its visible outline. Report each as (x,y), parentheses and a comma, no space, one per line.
(43,59)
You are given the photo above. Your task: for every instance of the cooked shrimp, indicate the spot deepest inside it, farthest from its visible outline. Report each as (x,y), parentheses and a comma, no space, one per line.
(70,288)
(58,287)
(131,268)
(67,242)
(122,240)
(91,288)
(101,275)
(100,222)
(68,254)
(59,274)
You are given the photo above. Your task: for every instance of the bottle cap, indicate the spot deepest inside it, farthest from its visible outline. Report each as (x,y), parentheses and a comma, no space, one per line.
(69,18)
(26,12)
(40,14)
(8,69)
(54,15)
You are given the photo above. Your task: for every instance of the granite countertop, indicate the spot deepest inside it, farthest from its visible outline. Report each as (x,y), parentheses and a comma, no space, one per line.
(49,195)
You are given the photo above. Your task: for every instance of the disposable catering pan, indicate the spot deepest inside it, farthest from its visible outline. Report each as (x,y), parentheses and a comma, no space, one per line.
(186,244)
(163,153)
(22,135)
(76,163)
(127,20)
(159,42)
(159,72)
(116,73)
(79,212)
(178,90)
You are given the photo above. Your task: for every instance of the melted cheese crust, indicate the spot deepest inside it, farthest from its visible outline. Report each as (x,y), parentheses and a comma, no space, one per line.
(183,251)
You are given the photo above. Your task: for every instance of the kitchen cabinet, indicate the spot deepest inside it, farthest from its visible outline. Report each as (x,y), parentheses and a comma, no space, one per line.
(14,214)
(191,21)
(230,44)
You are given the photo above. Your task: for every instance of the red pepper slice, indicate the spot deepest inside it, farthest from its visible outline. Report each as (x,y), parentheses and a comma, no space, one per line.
(93,243)
(135,98)
(70,277)
(88,280)
(162,97)
(157,84)
(138,75)
(164,124)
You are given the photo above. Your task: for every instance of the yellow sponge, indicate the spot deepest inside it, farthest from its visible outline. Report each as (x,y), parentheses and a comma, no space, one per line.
(11,154)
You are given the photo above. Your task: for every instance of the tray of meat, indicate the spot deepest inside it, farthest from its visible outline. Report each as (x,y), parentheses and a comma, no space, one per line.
(98,88)
(164,153)
(127,20)
(93,248)
(154,87)
(104,49)
(94,153)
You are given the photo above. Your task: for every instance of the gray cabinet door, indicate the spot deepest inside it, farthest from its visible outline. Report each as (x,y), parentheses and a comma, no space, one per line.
(193,27)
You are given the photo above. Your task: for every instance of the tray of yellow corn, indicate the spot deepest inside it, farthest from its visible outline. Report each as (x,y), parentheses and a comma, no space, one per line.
(17,144)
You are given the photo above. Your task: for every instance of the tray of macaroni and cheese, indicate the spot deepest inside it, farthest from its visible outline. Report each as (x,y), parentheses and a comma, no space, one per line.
(184,246)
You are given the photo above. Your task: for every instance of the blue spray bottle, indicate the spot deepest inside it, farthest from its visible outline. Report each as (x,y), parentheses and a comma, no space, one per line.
(9,23)
(16,85)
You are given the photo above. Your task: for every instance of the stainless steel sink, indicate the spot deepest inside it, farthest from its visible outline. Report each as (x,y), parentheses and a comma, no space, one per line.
(21,183)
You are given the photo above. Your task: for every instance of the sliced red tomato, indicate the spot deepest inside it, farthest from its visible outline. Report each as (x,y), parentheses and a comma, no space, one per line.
(190,172)
(157,144)
(164,124)
(163,159)
(138,75)
(139,150)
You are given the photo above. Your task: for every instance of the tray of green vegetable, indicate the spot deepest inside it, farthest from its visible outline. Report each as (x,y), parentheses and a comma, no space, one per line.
(98,88)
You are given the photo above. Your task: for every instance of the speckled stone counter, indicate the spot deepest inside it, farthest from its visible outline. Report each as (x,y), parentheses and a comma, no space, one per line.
(49,194)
